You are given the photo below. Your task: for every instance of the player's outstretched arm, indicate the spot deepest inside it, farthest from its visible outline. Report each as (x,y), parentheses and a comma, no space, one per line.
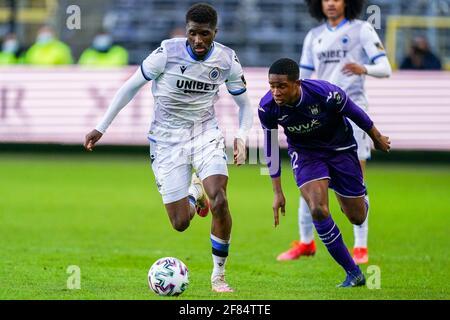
(380,142)
(279,201)
(120,100)
(362,120)
(245,124)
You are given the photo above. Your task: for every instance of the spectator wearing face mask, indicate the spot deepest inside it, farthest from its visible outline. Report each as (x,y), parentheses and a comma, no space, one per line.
(48,50)
(11,51)
(421,57)
(104,53)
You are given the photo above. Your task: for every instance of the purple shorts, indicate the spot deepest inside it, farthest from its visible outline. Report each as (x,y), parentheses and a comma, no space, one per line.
(342,168)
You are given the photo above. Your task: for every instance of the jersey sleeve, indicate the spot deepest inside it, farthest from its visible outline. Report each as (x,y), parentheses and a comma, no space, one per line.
(306,60)
(271,147)
(236,83)
(267,122)
(154,64)
(338,102)
(336,98)
(371,42)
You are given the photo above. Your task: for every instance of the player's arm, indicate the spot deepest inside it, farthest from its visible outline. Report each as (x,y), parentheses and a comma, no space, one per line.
(150,69)
(379,66)
(273,161)
(123,96)
(349,109)
(237,87)
(306,61)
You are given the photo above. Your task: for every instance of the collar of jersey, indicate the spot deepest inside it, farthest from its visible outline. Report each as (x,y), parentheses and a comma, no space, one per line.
(338,26)
(195,57)
(296,104)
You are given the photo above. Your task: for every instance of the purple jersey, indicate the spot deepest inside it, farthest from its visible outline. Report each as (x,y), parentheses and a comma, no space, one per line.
(318,120)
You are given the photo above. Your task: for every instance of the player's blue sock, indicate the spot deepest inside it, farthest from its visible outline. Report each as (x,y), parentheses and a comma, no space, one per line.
(192,201)
(220,254)
(330,235)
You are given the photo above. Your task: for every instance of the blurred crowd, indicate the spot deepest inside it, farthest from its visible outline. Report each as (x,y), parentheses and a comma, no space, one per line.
(103,52)
(49,50)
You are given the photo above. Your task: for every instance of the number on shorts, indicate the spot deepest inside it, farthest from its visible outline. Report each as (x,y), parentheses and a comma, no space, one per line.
(294,159)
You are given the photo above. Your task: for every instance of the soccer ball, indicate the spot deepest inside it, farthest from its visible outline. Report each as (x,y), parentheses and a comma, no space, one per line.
(168,277)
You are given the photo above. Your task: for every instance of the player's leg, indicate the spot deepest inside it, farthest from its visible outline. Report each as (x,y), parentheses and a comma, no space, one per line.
(306,246)
(197,196)
(173,176)
(355,208)
(347,182)
(360,247)
(312,175)
(180,213)
(361,232)
(210,162)
(316,195)
(308,170)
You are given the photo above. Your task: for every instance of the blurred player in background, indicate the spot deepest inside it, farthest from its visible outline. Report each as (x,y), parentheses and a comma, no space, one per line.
(184,134)
(342,51)
(323,151)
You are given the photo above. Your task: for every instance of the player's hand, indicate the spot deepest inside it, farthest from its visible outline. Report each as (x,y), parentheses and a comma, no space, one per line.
(240,153)
(353,68)
(91,139)
(382,143)
(279,202)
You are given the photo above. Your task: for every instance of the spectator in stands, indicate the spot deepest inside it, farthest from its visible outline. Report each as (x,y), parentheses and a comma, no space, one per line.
(420,56)
(11,51)
(104,53)
(48,50)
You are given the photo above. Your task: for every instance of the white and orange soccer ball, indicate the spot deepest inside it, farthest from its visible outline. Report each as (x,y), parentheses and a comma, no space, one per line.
(168,276)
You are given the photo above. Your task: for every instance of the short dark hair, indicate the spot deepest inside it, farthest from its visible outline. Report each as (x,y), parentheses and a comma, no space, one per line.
(353,9)
(287,67)
(202,13)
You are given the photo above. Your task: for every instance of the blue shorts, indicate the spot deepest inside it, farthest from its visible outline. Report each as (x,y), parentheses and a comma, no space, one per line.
(342,168)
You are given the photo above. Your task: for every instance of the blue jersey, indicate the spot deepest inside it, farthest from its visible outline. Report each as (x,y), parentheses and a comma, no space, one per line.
(318,121)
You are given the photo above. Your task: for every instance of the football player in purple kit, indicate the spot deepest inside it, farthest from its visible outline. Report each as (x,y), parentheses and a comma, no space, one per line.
(314,115)
(344,51)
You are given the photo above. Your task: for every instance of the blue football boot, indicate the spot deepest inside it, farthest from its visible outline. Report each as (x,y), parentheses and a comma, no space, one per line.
(354,278)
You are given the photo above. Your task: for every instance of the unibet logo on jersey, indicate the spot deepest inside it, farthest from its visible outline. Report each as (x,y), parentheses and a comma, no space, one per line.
(184,87)
(327,51)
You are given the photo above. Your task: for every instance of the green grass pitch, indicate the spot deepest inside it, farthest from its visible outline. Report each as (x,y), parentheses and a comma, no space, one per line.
(103,213)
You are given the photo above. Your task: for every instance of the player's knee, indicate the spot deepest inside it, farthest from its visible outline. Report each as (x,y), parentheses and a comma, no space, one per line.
(180,224)
(358,219)
(220,203)
(319,212)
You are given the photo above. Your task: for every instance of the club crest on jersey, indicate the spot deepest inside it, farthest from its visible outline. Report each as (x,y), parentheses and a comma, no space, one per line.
(214,74)
(314,109)
(345,40)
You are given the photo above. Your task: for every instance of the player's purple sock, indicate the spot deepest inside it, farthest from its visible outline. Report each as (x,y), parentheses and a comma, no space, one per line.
(330,235)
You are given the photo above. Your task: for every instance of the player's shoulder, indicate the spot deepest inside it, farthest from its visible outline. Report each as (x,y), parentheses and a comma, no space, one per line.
(266,102)
(314,87)
(363,26)
(174,45)
(358,22)
(224,52)
(223,48)
(317,30)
